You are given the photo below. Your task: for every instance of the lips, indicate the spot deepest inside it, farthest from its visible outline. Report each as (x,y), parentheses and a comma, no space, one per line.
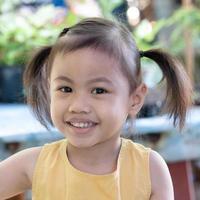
(80,120)
(81,125)
(77,119)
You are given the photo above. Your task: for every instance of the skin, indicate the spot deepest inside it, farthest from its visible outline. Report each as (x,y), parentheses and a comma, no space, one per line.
(88,99)
(106,102)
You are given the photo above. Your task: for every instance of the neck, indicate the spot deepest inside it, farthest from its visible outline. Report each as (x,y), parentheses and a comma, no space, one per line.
(98,159)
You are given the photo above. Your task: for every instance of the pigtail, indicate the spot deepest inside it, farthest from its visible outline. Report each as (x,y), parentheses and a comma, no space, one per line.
(179,88)
(36,85)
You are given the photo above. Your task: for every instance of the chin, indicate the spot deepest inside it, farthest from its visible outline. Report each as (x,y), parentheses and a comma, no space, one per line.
(82,144)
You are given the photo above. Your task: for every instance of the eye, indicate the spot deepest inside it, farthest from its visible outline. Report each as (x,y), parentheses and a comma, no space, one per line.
(65,89)
(99,91)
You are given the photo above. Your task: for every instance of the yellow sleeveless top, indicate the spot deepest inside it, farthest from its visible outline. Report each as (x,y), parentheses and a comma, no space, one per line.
(56,179)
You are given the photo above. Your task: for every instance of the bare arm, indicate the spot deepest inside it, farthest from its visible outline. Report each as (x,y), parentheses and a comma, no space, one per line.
(161,182)
(16,172)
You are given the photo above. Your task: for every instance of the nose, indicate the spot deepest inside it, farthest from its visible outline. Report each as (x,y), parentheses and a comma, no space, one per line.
(79,104)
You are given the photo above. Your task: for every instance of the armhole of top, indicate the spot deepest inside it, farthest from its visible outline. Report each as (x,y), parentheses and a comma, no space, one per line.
(144,153)
(148,183)
(37,169)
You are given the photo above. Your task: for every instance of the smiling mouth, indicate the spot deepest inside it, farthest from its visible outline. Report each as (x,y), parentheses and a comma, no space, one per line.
(82,125)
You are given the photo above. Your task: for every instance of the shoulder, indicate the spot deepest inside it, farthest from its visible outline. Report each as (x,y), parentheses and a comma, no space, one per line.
(16,172)
(30,157)
(26,160)
(161,182)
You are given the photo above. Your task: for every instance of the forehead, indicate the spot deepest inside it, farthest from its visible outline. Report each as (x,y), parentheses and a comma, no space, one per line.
(86,62)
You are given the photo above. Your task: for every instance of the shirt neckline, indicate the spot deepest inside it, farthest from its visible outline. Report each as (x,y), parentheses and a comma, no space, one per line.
(69,166)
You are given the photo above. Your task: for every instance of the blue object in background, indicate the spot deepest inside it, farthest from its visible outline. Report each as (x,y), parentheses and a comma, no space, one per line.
(59,3)
(11,87)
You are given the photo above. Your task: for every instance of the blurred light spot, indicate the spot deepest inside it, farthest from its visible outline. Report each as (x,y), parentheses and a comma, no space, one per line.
(133,15)
(144,28)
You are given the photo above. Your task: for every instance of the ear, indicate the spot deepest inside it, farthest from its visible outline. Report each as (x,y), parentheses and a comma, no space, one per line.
(137,100)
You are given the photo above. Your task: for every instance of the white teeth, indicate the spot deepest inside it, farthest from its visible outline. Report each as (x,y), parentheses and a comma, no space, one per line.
(82,124)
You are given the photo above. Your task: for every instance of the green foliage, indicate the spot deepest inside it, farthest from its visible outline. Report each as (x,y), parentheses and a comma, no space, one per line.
(145,36)
(71,19)
(8,6)
(108,6)
(20,34)
(173,28)
(181,20)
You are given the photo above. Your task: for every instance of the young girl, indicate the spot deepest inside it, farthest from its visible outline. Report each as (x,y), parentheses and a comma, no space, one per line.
(86,85)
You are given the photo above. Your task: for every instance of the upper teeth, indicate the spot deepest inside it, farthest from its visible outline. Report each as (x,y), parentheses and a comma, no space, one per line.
(82,124)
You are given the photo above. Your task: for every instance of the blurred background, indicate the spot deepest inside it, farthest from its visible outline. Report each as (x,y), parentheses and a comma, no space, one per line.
(173,25)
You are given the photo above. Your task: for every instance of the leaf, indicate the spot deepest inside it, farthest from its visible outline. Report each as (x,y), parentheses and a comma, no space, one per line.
(108,6)
(71,19)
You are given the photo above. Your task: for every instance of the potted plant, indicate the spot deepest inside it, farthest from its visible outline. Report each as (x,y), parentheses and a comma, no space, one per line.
(27,31)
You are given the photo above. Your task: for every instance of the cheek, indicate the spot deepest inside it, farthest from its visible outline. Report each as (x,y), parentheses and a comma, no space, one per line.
(57,110)
(53,113)
(115,109)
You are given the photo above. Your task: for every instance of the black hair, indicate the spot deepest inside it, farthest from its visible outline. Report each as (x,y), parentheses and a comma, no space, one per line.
(117,41)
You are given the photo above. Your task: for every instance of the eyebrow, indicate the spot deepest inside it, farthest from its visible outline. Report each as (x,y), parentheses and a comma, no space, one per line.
(95,80)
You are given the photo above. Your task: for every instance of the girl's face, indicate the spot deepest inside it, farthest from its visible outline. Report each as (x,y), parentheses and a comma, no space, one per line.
(90,97)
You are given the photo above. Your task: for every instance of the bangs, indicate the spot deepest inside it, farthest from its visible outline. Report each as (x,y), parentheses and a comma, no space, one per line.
(69,44)
(110,38)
